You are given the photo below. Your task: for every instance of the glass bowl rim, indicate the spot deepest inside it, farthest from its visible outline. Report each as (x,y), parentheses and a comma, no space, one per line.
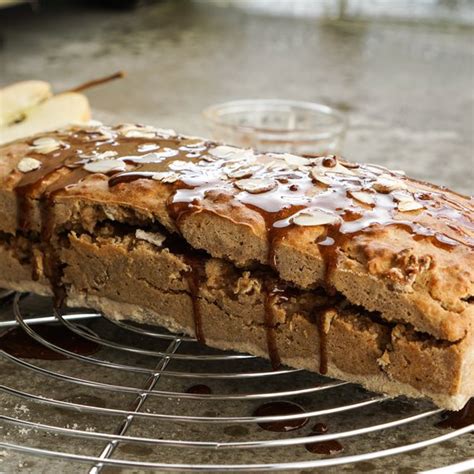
(211,113)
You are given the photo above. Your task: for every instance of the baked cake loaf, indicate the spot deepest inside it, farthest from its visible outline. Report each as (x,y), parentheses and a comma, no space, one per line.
(349,270)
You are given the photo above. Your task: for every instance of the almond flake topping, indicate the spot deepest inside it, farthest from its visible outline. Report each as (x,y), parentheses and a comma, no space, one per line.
(408,206)
(242,172)
(153,157)
(313,217)
(147,147)
(399,172)
(146,131)
(341,169)
(154,238)
(336,167)
(274,165)
(224,151)
(28,164)
(139,134)
(90,124)
(319,175)
(178,165)
(200,143)
(106,155)
(255,185)
(294,161)
(166,176)
(349,164)
(241,158)
(384,184)
(401,195)
(363,196)
(104,166)
(166,132)
(45,145)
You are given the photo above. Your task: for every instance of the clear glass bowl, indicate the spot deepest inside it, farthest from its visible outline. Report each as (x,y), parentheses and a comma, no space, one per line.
(278,125)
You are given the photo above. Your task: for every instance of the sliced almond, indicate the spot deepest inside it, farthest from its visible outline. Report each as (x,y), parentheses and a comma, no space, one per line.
(224,151)
(106,155)
(153,157)
(195,150)
(244,156)
(318,167)
(376,169)
(350,165)
(384,184)
(89,126)
(363,197)
(274,165)
(99,133)
(139,134)
(178,165)
(28,164)
(408,206)
(126,127)
(104,166)
(137,131)
(401,195)
(193,144)
(103,156)
(318,175)
(399,172)
(242,172)
(256,185)
(147,147)
(45,145)
(240,157)
(341,169)
(313,217)
(154,238)
(166,176)
(294,161)
(166,132)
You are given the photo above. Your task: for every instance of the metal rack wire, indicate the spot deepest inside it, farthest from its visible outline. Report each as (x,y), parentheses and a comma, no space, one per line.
(147,370)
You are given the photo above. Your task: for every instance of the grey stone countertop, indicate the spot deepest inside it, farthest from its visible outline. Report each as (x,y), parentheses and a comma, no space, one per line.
(408,92)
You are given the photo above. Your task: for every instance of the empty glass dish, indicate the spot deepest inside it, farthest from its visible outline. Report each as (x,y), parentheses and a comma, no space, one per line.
(278,125)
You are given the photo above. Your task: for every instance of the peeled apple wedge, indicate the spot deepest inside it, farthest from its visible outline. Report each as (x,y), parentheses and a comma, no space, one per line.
(55,112)
(17,99)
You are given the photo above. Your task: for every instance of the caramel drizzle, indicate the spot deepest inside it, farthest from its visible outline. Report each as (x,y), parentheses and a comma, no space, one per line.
(458,419)
(202,176)
(323,343)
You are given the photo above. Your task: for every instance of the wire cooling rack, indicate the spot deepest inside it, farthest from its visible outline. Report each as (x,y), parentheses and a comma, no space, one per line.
(135,399)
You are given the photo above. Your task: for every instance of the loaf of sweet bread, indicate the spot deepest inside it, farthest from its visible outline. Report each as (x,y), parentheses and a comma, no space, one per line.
(315,262)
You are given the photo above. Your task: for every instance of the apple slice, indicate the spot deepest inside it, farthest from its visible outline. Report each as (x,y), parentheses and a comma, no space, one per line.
(56,112)
(17,99)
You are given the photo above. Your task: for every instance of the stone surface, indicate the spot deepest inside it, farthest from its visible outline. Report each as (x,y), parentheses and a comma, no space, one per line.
(408,92)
